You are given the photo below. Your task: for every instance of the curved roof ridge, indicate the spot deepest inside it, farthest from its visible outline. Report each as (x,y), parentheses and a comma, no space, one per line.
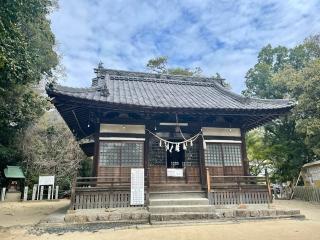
(61,88)
(162,76)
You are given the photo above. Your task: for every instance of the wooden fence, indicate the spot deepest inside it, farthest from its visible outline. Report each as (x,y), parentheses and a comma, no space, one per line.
(101,192)
(89,198)
(310,194)
(238,197)
(228,190)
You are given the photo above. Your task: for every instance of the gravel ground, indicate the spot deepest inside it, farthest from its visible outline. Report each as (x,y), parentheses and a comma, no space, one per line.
(262,230)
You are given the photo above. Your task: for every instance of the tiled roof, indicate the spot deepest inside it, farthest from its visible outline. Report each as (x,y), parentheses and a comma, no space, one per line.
(147,90)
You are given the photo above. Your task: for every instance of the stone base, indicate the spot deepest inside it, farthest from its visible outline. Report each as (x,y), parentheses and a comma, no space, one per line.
(141,215)
(13,197)
(129,215)
(237,214)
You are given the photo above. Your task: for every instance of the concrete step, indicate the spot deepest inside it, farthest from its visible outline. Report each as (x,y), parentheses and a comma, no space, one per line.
(182,201)
(177,194)
(181,208)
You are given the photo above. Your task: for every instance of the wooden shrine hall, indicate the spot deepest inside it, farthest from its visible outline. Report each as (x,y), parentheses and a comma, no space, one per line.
(186,133)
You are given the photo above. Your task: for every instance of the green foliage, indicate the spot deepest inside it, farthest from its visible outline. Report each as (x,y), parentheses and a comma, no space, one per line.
(26,58)
(159,65)
(49,148)
(304,86)
(280,72)
(257,153)
(85,169)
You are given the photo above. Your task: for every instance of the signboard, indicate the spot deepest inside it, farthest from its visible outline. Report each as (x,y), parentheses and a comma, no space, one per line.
(175,172)
(46,180)
(137,186)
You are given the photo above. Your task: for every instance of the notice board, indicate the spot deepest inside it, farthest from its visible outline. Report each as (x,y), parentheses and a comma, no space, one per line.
(137,186)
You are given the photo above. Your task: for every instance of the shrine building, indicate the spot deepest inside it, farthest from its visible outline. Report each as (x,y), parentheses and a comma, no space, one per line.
(186,133)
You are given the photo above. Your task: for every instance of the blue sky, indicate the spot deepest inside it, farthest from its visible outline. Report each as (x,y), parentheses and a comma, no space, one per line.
(218,36)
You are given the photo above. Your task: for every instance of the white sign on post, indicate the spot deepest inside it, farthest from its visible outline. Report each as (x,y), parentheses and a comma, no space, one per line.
(46,180)
(137,186)
(174,172)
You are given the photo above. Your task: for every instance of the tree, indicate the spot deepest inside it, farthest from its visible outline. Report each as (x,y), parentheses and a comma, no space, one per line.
(49,148)
(257,153)
(294,73)
(160,65)
(304,86)
(26,58)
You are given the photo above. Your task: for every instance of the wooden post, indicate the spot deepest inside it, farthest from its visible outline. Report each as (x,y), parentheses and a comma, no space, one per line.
(3,194)
(57,193)
(49,192)
(38,192)
(25,193)
(34,192)
(41,192)
(208,181)
(268,185)
(73,192)
(295,185)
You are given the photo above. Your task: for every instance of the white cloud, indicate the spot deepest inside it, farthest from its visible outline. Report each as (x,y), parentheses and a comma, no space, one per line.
(218,36)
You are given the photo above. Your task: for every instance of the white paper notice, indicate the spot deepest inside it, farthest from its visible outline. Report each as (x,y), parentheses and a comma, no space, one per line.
(175,172)
(137,186)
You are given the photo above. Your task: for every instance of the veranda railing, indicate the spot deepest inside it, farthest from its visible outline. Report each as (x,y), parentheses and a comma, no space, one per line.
(226,190)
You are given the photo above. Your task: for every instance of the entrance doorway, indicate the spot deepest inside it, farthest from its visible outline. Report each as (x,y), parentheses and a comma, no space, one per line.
(176,159)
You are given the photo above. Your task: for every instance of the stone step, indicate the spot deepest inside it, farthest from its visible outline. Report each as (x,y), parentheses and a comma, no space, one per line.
(181,208)
(177,194)
(174,187)
(182,216)
(244,214)
(174,201)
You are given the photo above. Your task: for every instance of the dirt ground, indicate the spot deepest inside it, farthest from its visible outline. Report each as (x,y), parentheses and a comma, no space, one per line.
(262,230)
(28,213)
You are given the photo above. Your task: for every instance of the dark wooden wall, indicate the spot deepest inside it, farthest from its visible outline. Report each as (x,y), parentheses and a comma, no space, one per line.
(157,174)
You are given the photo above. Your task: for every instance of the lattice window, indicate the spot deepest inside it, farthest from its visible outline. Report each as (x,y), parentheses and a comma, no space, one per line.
(157,154)
(217,154)
(213,155)
(231,154)
(128,154)
(110,153)
(192,155)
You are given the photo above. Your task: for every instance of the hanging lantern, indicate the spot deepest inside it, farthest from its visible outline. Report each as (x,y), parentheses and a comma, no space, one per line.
(191,143)
(160,143)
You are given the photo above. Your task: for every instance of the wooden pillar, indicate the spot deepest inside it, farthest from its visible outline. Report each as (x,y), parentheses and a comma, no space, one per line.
(146,166)
(245,161)
(95,164)
(208,180)
(202,163)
